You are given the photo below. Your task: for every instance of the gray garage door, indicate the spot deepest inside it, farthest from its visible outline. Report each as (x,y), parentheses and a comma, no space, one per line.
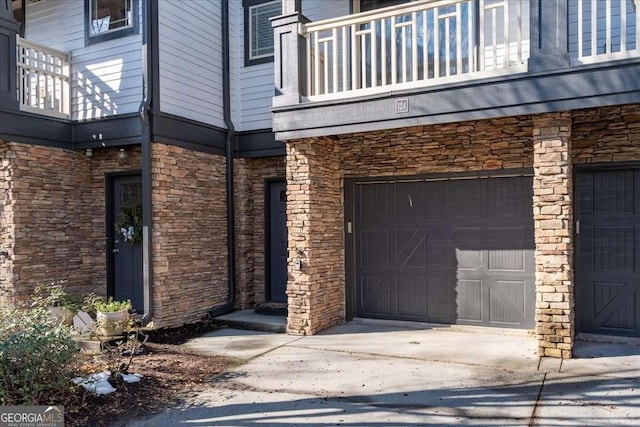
(608,264)
(448,251)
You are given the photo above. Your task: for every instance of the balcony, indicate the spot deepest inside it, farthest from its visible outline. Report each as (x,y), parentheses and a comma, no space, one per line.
(43,79)
(415,45)
(469,55)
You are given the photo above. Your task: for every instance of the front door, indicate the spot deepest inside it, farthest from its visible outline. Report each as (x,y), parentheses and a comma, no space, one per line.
(277,242)
(125,237)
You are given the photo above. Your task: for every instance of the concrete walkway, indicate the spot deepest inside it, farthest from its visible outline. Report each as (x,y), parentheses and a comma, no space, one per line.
(378,374)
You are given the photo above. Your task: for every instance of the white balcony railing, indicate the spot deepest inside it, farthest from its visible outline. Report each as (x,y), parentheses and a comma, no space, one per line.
(415,44)
(43,79)
(603,30)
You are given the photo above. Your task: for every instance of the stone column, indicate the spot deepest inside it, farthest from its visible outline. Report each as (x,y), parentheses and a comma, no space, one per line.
(553,218)
(316,288)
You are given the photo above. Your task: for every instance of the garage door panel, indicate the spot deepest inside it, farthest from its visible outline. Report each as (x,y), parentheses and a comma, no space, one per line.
(434,251)
(375,296)
(375,250)
(438,248)
(469,300)
(410,200)
(508,197)
(613,307)
(374,203)
(506,248)
(613,248)
(613,192)
(441,298)
(464,198)
(465,248)
(509,302)
(607,276)
(412,297)
(436,205)
(411,248)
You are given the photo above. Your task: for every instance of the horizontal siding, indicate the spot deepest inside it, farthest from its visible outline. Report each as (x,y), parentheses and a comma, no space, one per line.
(106,76)
(256,81)
(191,60)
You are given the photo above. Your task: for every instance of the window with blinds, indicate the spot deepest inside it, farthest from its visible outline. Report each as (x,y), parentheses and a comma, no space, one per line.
(258,31)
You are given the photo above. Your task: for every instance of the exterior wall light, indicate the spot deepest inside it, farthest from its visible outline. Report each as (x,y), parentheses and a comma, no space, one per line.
(122,156)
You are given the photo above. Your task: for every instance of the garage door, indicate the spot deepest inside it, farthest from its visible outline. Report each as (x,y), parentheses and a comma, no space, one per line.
(448,251)
(608,264)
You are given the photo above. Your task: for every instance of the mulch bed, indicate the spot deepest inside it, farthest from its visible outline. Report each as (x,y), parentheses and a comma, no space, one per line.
(168,372)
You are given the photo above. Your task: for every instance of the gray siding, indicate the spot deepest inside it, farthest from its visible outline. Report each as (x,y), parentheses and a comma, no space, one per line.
(256,81)
(191,60)
(106,76)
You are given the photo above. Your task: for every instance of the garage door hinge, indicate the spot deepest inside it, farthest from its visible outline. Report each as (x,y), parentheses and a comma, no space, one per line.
(349,227)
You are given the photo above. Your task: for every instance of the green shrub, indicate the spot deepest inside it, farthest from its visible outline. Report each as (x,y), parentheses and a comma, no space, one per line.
(54,294)
(109,305)
(36,358)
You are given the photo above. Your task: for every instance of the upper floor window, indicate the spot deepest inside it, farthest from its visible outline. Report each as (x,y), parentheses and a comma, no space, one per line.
(109,19)
(258,33)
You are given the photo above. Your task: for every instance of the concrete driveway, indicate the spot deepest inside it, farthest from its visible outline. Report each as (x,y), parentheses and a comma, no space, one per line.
(381,374)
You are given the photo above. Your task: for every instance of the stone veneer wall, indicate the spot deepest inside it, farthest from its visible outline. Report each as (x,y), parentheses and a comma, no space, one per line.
(7,227)
(52,216)
(316,292)
(316,167)
(189,234)
(503,143)
(553,230)
(250,181)
(607,134)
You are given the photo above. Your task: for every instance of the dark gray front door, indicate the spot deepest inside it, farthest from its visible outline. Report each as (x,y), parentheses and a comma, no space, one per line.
(608,252)
(126,247)
(449,251)
(277,242)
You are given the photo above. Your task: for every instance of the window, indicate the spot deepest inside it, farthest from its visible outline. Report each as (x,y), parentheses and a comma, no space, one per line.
(258,33)
(109,19)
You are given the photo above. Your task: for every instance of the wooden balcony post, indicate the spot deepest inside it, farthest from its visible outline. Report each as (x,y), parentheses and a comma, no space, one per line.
(289,56)
(8,67)
(549,33)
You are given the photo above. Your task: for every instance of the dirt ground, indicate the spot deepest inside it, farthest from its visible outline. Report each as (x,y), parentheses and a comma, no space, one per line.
(168,372)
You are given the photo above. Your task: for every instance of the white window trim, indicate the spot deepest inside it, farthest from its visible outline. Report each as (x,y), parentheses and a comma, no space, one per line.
(113,30)
(249,23)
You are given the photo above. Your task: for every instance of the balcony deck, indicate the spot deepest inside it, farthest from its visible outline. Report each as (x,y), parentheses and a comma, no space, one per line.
(479,51)
(415,45)
(43,79)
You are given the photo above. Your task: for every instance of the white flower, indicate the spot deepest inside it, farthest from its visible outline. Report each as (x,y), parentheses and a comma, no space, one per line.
(127,233)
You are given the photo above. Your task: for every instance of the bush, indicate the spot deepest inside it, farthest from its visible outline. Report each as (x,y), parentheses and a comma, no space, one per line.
(36,358)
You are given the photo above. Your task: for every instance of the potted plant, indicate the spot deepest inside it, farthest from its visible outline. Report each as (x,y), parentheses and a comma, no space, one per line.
(53,297)
(112,317)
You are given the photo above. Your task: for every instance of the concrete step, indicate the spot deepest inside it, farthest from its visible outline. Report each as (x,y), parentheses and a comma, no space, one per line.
(249,319)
